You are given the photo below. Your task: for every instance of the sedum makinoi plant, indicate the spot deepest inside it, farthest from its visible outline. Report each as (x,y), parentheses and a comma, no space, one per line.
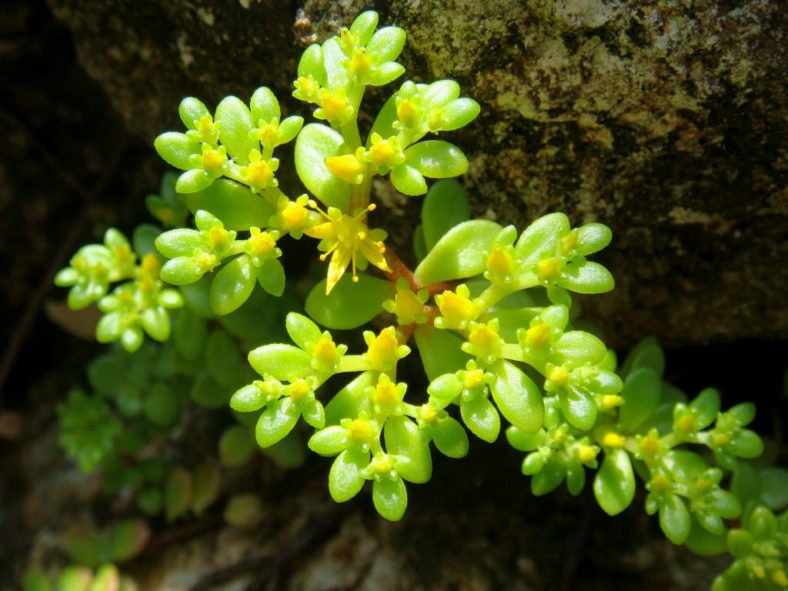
(488,311)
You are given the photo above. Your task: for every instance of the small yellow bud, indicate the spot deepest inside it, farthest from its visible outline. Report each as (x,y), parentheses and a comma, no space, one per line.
(359,63)
(382,350)
(720,439)
(326,351)
(456,309)
(435,119)
(500,263)
(259,174)
(333,105)
(537,336)
(613,439)
(473,379)
(299,389)
(649,445)
(568,242)
(383,153)
(206,261)
(611,401)
(560,437)
(381,464)
(292,217)
(269,135)
(427,413)
(703,484)
(360,431)
(686,422)
(585,453)
(260,244)
(213,161)
(485,340)
(218,237)
(205,127)
(386,394)
(659,483)
(347,167)
(548,268)
(150,264)
(407,112)
(559,377)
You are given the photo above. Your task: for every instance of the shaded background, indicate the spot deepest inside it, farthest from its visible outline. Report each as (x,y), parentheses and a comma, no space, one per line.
(666,123)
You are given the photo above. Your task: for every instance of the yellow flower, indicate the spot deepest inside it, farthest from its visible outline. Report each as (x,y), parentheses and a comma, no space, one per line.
(343,237)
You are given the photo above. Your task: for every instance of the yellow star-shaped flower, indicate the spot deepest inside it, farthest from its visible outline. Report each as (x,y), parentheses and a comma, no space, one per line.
(343,237)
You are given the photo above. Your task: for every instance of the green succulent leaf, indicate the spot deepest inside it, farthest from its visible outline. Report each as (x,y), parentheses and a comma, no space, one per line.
(315,143)
(390,498)
(349,305)
(517,397)
(408,180)
(233,285)
(177,493)
(235,205)
(592,238)
(271,277)
(445,206)
(642,392)
(282,362)
(235,122)
(439,351)
(549,477)
(588,277)
(541,238)
(459,253)
(329,441)
(436,159)
(674,519)
(450,438)
(344,478)
(236,446)
(404,438)
(176,149)
(206,483)
(614,484)
(264,105)
(579,408)
(276,421)
(481,418)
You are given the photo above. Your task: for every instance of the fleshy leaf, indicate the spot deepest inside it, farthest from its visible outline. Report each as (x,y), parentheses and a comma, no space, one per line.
(590,278)
(517,397)
(315,143)
(445,206)
(437,159)
(349,304)
(674,519)
(614,484)
(276,421)
(176,149)
(282,362)
(579,408)
(450,438)
(232,285)
(642,392)
(344,478)
(235,205)
(390,498)
(459,253)
(235,122)
(541,237)
(404,438)
(439,350)
(480,416)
